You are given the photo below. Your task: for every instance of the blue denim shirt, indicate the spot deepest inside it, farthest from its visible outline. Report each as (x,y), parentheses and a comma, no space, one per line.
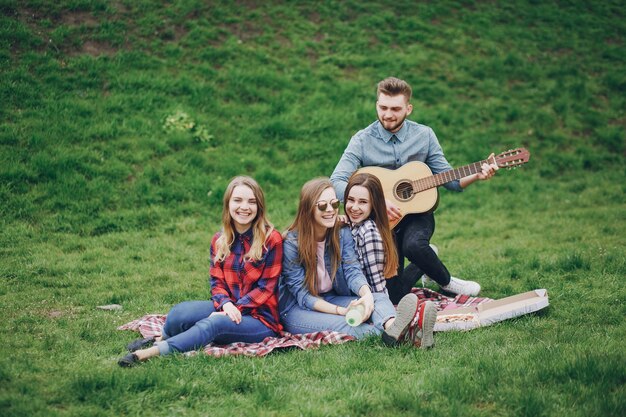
(376,146)
(293,291)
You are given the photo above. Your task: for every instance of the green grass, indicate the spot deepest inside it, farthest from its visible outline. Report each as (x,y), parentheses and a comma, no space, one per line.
(121,123)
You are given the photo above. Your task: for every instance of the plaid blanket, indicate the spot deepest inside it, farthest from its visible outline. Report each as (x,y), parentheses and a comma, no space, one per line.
(151,325)
(447,303)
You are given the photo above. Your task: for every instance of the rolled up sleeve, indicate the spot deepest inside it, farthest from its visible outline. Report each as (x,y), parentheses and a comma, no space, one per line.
(437,161)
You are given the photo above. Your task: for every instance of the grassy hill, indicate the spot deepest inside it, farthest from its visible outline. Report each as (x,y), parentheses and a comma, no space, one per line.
(121,122)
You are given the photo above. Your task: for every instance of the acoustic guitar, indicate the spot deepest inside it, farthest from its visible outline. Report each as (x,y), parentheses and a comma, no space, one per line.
(413,187)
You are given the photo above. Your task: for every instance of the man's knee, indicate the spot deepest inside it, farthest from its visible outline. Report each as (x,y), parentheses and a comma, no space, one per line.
(416,247)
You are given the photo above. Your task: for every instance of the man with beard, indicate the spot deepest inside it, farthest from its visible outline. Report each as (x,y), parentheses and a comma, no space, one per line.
(391,142)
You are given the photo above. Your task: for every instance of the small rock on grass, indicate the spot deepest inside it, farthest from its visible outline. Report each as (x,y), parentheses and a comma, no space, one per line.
(110,307)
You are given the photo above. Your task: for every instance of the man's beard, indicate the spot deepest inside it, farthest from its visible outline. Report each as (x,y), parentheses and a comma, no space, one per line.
(394,127)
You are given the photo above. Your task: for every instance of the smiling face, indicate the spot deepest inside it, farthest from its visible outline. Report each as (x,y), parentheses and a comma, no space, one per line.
(242,207)
(358,204)
(392,110)
(327,218)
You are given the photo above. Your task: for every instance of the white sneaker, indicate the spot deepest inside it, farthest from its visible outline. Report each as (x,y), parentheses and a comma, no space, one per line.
(425,278)
(460,286)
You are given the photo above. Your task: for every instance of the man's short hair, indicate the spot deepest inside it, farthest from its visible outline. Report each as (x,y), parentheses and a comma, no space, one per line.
(393,86)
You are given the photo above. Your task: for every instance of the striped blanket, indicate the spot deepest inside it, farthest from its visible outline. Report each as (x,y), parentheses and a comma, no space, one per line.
(151,325)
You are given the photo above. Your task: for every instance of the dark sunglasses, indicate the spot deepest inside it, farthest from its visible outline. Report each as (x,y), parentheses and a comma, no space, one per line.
(323,205)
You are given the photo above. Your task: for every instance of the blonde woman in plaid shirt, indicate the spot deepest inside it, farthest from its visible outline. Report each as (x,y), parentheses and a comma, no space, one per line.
(246,262)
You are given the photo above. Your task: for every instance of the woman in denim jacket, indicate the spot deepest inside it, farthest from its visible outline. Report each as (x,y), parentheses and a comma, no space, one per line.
(322,276)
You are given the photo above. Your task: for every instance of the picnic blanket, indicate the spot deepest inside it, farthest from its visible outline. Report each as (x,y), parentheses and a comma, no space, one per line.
(151,325)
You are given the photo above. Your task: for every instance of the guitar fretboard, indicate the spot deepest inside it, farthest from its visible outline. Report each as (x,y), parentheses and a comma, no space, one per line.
(436,180)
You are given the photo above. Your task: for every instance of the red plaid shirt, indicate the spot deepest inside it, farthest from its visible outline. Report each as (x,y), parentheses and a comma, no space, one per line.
(252,286)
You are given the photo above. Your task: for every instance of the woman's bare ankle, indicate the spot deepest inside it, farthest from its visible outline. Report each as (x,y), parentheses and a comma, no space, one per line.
(389,323)
(145,354)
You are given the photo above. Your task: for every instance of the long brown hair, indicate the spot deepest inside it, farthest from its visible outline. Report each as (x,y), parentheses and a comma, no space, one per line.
(304,225)
(261,226)
(379,215)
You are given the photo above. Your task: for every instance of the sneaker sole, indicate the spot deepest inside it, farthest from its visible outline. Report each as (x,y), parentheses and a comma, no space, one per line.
(428,325)
(406,311)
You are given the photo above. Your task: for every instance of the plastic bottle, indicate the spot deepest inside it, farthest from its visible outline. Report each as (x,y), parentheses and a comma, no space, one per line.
(354,316)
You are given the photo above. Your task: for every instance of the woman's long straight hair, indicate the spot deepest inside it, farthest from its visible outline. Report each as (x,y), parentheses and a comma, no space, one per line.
(261,226)
(304,225)
(379,215)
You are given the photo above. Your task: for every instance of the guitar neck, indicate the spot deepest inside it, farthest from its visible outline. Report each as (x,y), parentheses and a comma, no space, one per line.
(436,180)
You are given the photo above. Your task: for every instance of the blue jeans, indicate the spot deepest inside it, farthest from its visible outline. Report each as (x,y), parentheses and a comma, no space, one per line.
(189,327)
(299,320)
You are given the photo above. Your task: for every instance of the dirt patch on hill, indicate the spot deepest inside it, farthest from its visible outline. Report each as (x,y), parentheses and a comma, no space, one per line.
(95,48)
(78,18)
(81,25)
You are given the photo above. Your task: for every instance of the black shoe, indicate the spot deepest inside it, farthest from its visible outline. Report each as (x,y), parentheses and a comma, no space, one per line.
(129,360)
(140,344)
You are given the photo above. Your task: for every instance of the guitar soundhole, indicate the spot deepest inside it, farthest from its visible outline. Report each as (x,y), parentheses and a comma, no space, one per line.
(404,191)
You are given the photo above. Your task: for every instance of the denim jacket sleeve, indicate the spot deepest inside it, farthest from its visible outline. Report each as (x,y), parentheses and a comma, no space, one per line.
(293,273)
(350,264)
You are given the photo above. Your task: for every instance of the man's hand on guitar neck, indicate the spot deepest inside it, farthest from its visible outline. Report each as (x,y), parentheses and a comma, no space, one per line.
(393,212)
(488,171)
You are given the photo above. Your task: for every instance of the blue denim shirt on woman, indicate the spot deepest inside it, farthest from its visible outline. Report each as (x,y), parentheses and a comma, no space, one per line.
(292,289)
(376,146)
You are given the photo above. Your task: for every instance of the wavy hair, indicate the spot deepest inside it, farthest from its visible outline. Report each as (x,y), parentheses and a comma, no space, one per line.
(393,86)
(261,226)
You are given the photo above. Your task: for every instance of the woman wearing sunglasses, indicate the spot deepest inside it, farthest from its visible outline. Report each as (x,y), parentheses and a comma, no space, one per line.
(322,276)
